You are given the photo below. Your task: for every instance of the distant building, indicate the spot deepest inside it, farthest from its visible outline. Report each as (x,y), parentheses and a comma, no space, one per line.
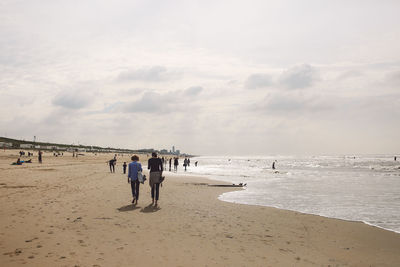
(178,152)
(164,151)
(173,149)
(26,146)
(4,144)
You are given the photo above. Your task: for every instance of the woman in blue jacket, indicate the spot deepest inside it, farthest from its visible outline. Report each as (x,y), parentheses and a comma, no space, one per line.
(133,169)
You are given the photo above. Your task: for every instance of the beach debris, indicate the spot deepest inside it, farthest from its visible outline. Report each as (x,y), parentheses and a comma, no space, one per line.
(16,252)
(30,240)
(228,185)
(77,219)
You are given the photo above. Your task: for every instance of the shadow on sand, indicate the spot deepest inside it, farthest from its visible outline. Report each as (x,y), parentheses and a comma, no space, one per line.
(128,207)
(150,208)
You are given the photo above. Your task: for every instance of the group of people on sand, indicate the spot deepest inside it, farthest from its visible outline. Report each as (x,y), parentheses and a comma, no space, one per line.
(155,165)
(22,153)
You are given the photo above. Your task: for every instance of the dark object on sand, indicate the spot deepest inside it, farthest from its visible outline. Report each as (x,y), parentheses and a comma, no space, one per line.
(228,185)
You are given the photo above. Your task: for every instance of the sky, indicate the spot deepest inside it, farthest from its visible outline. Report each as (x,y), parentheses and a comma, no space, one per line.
(208,77)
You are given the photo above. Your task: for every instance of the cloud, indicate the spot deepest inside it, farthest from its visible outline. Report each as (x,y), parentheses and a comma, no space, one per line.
(75,99)
(299,77)
(258,80)
(393,78)
(154,102)
(349,75)
(293,103)
(151,74)
(150,102)
(193,91)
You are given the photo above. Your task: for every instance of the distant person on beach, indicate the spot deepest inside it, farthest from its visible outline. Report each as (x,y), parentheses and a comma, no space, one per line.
(170,162)
(176,163)
(124,166)
(188,162)
(395,158)
(185,163)
(273,165)
(195,164)
(40,156)
(156,168)
(134,168)
(111,163)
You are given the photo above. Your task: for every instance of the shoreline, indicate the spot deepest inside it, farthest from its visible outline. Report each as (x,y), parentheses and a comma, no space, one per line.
(384,218)
(80,214)
(279,208)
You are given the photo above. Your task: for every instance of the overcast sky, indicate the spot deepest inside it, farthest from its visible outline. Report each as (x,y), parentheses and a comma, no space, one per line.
(210,77)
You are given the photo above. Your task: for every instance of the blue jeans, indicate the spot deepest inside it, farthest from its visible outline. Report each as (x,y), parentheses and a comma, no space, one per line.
(156,187)
(135,188)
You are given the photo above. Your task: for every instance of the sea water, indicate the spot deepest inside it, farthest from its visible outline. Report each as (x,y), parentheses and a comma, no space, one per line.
(357,188)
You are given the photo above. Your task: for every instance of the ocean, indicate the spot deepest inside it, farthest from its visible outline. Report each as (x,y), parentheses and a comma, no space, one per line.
(357,188)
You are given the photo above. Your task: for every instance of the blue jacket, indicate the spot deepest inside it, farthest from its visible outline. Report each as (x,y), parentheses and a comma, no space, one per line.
(133,169)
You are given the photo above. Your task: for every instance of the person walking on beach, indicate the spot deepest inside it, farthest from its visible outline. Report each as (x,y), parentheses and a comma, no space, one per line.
(111,163)
(273,165)
(156,168)
(134,168)
(40,156)
(176,163)
(124,166)
(170,162)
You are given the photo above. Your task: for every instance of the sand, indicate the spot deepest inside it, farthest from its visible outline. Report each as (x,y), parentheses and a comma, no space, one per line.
(73,212)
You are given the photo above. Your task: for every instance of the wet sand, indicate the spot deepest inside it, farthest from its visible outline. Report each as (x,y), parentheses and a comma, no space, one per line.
(74,212)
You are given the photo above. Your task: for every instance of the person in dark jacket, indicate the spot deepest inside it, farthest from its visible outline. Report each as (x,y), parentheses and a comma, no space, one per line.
(176,163)
(156,168)
(124,166)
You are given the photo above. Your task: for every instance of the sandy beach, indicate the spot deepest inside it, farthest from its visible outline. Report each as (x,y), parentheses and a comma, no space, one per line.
(74,212)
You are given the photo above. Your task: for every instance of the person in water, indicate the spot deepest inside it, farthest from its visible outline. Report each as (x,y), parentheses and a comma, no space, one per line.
(176,163)
(156,168)
(133,169)
(185,163)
